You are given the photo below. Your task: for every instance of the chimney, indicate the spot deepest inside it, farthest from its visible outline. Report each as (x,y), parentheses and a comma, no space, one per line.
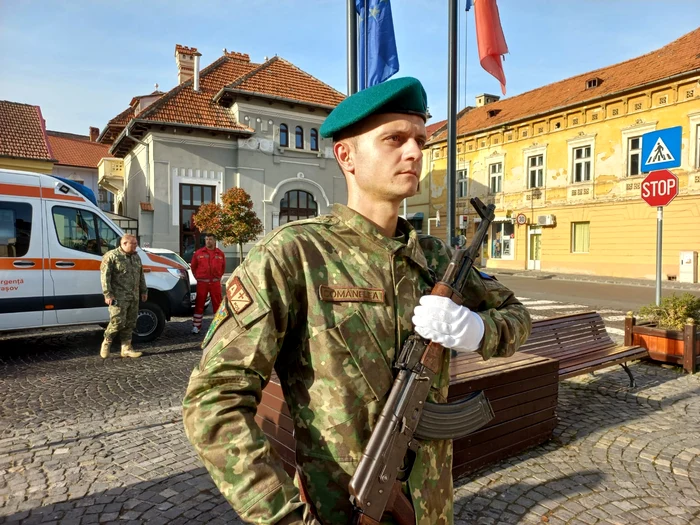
(184,58)
(94,133)
(482,100)
(196,71)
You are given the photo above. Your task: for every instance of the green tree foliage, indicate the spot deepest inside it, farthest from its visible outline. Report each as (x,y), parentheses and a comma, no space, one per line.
(233,221)
(673,311)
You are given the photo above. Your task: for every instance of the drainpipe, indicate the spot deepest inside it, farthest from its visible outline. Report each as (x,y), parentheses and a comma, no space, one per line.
(148,163)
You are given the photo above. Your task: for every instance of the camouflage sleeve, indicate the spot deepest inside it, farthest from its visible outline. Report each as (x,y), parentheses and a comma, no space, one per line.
(507,322)
(143,289)
(106,275)
(219,407)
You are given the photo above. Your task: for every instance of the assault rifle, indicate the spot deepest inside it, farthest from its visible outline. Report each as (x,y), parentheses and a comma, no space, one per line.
(407,416)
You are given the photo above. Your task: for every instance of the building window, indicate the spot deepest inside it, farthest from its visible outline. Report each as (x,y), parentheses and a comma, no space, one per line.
(15,228)
(580,237)
(697,146)
(582,164)
(535,166)
(634,156)
(502,240)
(105,199)
(192,196)
(314,139)
(495,177)
(297,204)
(284,136)
(299,132)
(462,181)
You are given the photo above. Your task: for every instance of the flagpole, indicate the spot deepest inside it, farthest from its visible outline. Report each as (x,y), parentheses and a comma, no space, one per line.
(352,47)
(451,119)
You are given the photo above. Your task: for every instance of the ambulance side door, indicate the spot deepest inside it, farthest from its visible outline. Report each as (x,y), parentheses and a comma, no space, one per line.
(21,263)
(75,254)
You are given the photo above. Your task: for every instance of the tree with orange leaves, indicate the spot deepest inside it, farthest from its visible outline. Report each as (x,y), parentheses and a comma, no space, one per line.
(233,221)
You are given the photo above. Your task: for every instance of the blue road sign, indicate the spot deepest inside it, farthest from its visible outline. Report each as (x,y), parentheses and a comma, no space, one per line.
(661,149)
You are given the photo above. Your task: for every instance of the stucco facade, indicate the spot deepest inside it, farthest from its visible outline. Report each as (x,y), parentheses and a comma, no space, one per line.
(573,175)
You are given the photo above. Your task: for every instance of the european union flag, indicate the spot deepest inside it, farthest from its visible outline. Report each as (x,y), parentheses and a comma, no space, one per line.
(378,59)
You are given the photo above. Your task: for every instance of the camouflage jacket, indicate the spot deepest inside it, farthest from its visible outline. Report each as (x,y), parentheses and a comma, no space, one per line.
(122,275)
(326,302)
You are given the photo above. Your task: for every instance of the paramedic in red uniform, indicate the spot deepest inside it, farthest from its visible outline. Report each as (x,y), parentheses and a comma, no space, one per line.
(208,265)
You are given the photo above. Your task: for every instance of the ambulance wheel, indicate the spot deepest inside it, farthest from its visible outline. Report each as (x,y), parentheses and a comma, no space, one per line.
(149,323)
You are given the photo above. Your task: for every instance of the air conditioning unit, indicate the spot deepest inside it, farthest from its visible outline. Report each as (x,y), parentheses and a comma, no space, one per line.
(546,220)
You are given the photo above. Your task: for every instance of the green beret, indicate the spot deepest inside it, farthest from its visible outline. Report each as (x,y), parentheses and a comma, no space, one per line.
(400,95)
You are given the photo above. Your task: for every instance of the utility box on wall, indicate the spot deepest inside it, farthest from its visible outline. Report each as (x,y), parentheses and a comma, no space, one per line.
(688,271)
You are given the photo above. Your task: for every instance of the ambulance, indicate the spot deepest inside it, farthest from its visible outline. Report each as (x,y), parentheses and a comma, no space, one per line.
(52,239)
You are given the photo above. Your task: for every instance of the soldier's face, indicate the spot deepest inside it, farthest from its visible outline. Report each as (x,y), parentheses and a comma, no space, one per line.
(387,157)
(129,245)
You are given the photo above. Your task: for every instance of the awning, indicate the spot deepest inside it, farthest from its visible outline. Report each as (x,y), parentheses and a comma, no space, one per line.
(417,215)
(503,218)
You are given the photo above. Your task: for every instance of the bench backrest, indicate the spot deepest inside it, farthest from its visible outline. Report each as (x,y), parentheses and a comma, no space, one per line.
(568,335)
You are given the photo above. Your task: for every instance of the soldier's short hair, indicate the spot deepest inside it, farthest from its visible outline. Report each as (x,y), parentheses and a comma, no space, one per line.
(128,236)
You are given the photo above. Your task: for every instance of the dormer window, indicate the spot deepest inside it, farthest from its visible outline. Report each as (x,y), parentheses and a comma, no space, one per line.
(593,82)
(493,112)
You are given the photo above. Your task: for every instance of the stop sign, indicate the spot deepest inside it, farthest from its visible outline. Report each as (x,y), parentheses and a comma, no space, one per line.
(659,188)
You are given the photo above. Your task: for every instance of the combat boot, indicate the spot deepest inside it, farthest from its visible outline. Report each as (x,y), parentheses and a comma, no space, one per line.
(104,349)
(128,351)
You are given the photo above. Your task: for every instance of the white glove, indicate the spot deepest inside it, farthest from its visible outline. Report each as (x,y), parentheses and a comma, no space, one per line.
(443,321)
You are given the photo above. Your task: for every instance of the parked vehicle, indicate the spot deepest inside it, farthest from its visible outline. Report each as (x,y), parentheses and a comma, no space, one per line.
(173,256)
(52,239)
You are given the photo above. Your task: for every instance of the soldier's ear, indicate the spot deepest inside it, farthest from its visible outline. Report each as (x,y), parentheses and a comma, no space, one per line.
(344,152)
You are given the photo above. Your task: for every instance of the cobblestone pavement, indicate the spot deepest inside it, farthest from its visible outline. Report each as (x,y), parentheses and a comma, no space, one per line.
(84,440)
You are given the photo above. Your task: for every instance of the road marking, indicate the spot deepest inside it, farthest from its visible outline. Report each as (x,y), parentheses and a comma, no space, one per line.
(529,303)
(561,306)
(614,318)
(616,331)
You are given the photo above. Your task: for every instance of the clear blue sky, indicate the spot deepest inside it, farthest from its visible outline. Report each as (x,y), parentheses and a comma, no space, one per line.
(83,60)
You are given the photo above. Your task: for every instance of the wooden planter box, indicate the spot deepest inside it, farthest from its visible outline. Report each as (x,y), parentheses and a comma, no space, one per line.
(678,347)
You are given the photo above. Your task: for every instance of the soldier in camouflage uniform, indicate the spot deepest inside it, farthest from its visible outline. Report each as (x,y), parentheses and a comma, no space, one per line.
(326,303)
(123,282)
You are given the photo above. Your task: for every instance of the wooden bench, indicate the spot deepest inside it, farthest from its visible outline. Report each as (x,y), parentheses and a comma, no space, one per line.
(581,344)
(522,389)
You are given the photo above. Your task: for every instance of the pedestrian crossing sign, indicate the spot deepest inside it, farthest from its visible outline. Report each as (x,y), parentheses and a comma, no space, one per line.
(661,149)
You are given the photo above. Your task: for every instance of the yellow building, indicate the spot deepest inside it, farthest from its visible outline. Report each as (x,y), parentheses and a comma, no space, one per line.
(24,144)
(562,165)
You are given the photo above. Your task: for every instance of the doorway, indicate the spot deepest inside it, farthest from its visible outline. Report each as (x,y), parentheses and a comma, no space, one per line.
(192,196)
(534,247)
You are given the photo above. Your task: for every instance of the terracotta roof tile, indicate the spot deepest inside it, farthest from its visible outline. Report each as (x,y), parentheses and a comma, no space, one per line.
(23,132)
(76,152)
(678,57)
(430,129)
(281,79)
(183,105)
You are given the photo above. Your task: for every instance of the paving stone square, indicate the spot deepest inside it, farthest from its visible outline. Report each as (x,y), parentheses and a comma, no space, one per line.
(85,440)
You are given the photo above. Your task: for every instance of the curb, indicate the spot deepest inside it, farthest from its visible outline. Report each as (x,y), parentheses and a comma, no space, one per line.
(673,285)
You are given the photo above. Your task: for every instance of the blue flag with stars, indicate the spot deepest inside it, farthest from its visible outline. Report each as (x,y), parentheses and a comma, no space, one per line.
(378,59)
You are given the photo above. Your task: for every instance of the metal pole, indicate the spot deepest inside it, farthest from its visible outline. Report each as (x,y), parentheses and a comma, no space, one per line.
(352,47)
(451,119)
(659,235)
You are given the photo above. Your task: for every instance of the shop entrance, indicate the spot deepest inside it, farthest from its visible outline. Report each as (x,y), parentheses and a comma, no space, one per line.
(534,247)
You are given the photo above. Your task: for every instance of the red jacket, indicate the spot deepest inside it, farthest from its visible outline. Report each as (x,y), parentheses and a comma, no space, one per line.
(208,265)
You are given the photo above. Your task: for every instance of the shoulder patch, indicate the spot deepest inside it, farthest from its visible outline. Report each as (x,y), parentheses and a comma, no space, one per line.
(238,296)
(222,314)
(486,276)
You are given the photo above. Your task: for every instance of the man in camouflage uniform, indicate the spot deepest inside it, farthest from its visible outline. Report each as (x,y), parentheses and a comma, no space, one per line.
(123,282)
(326,303)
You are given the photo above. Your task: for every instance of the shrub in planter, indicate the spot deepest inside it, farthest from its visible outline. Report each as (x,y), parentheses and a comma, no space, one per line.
(670,332)
(673,312)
